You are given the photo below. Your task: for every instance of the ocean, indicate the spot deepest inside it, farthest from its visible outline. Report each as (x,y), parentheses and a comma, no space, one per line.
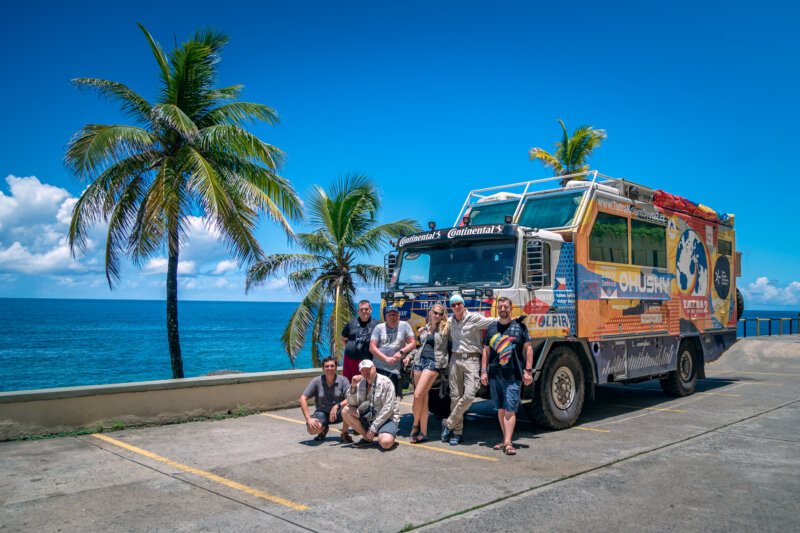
(64,343)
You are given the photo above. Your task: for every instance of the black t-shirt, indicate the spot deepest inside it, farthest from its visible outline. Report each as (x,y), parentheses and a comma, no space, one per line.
(358,334)
(506,344)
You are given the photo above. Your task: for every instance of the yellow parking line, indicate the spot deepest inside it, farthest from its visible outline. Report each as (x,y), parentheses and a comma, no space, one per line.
(434,448)
(759,383)
(648,408)
(717,393)
(207,475)
(592,429)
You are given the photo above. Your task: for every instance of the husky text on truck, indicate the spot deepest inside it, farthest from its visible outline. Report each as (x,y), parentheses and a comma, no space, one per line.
(615,281)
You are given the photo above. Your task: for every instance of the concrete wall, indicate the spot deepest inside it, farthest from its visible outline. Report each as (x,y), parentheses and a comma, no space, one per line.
(40,412)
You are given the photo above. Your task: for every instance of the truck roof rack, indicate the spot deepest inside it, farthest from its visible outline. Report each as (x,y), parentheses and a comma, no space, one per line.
(524,190)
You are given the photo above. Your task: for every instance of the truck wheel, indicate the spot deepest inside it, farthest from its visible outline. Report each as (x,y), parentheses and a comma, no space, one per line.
(681,382)
(739,305)
(559,393)
(438,406)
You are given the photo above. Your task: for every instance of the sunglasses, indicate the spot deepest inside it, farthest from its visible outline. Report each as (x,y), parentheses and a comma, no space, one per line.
(329,366)
(437,313)
(456,304)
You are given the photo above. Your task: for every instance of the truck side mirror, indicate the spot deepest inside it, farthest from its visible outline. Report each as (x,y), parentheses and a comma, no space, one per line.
(537,258)
(389,265)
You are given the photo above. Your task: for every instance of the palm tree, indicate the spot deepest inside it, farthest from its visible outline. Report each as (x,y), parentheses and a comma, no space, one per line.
(344,228)
(188,154)
(571,153)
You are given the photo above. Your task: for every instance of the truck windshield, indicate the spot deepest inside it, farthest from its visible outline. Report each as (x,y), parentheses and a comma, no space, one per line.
(548,211)
(477,263)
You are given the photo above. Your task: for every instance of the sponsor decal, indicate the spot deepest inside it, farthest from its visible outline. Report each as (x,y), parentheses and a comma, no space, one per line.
(722,277)
(691,265)
(453,233)
(559,321)
(420,237)
(536,307)
(475,230)
(695,307)
(652,319)
(709,236)
(647,215)
(643,283)
(672,228)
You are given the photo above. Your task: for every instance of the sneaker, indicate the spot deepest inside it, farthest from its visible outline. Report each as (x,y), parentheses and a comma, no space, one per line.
(445,431)
(455,439)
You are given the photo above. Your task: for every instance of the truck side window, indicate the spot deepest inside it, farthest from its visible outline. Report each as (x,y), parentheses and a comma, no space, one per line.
(724,247)
(609,239)
(648,244)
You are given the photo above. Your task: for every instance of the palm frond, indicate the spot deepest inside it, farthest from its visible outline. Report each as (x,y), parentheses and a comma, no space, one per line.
(294,336)
(176,119)
(234,140)
(371,275)
(94,147)
(275,264)
(547,160)
(239,114)
(158,53)
(130,102)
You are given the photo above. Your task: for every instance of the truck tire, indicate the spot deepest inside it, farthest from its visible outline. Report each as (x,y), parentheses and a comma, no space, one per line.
(559,393)
(438,406)
(682,381)
(739,305)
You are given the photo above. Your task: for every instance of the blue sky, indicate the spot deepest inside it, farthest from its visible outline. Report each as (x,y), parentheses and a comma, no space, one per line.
(431,99)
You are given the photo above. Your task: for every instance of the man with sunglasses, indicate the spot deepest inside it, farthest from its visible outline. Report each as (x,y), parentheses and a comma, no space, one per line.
(465,364)
(355,339)
(330,396)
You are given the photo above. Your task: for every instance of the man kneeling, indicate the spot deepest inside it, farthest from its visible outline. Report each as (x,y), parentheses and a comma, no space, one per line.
(372,408)
(329,392)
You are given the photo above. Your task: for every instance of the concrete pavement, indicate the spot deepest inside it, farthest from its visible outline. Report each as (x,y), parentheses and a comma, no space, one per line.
(725,458)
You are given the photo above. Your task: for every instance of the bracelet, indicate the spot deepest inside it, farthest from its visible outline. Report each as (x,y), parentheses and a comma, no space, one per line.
(483,370)
(528,370)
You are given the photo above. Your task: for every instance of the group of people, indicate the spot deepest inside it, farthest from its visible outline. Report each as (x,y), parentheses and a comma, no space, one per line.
(365,396)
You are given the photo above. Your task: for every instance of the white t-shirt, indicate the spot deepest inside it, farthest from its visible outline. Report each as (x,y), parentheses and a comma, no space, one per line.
(389,342)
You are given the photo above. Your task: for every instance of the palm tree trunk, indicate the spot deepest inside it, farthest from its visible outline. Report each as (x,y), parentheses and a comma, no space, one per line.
(172,303)
(336,330)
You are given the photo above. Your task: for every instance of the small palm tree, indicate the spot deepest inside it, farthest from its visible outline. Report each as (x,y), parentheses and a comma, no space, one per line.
(572,153)
(188,154)
(344,230)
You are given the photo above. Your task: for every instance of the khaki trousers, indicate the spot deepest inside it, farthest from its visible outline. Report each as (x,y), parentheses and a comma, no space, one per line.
(465,378)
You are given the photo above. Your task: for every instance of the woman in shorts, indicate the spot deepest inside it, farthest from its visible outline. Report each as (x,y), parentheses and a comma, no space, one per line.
(430,358)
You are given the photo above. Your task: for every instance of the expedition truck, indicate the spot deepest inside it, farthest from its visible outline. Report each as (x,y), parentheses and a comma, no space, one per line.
(616,282)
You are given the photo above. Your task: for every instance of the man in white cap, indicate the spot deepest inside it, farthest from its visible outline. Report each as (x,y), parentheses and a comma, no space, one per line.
(372,408)
(465,365)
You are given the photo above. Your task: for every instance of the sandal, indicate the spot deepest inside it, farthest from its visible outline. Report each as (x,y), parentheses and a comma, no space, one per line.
(499,446)
(322,434)
(414,432)
(346,438)
(509,449)
(419,438)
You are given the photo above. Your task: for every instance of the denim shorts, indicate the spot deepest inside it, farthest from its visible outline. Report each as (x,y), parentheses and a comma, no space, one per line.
(505,394)
(325,418)
(425,363)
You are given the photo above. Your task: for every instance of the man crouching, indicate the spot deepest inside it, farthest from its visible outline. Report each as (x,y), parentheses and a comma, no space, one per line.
(372,406)
(329,392)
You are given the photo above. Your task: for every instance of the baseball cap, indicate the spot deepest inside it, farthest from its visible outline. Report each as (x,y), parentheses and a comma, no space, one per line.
(366,363)
(456,298)
(391,308)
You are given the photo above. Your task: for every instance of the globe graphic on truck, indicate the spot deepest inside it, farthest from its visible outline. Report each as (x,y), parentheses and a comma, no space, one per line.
(692,264)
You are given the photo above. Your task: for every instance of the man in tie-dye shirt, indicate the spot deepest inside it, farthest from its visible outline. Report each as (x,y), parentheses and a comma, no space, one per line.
(507,363)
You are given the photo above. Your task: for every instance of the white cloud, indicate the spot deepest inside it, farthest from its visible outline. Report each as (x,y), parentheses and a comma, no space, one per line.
(158,265)
(224,266)
(763,291)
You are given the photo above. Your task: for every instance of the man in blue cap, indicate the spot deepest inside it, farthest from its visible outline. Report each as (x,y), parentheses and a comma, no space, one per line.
(465,364)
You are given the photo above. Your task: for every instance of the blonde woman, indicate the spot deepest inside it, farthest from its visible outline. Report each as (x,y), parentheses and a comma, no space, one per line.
(431,357)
